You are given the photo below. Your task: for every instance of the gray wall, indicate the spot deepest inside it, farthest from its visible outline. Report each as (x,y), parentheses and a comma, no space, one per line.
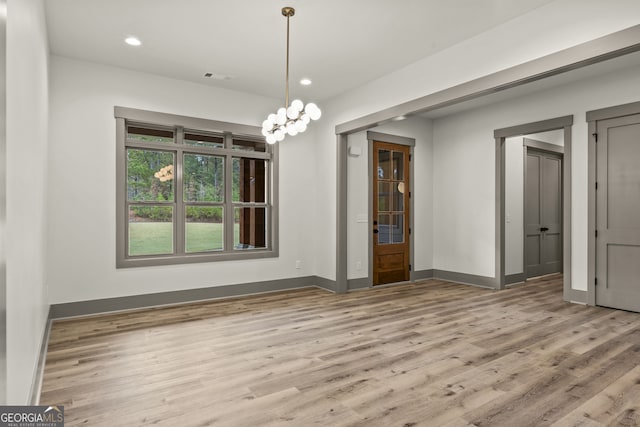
(3,202)
(26,198)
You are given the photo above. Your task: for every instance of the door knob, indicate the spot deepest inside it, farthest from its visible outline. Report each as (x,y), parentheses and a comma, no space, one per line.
(375,231)
(543,229)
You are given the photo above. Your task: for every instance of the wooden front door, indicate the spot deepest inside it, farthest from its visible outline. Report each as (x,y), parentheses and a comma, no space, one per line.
(390,213)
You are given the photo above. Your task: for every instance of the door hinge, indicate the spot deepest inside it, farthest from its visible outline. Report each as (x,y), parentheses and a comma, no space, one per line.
(409,157)
(596,281)
(409,267)
(596,234)
(596,185)
(409,230)
(595,136)
(409,194)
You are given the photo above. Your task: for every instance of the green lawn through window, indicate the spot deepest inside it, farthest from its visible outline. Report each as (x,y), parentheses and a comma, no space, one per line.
(154,238)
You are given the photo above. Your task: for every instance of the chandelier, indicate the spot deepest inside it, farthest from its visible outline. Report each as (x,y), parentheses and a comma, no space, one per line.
(290,119)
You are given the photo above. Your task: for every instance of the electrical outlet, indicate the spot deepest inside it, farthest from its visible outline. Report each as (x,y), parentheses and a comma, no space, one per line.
(298,264)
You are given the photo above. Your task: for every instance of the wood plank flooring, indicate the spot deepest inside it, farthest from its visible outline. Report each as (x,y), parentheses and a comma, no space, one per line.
(432,353)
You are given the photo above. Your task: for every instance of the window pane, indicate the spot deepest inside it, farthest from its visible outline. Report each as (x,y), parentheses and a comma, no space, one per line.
(149,175)
(383,164)
(239,144)
(204,229)
(203,178)
(150,230)
(204,140)
(398,196)
(384,196)
(398,165)
(383,229)
(397,228)
(249,180)
(250,230)
(150,135)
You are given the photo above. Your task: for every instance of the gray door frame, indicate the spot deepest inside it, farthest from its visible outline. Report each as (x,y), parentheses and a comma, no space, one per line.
(592,119)
(500,136)
(598,50)
(544,147)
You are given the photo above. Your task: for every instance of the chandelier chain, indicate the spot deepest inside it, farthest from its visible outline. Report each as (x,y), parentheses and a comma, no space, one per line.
(286,91)
(290,119)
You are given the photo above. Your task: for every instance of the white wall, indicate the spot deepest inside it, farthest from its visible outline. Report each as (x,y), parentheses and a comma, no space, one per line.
(422,195)
(555,137)
(82,233)
(557,25)
(27,147)
(464,172)
(514,206)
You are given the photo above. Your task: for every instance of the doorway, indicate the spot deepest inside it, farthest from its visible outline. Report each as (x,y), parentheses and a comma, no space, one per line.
(390,224)
(563,124)
(615,147)
(533,205)
(542,211)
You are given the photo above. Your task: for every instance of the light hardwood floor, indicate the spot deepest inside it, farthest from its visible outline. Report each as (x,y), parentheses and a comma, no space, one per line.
(427,354)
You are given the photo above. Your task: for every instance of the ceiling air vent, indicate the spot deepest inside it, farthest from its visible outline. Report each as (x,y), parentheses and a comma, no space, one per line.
(215,76)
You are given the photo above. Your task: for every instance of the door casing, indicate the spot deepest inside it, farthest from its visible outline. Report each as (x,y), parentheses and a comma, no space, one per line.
(400,140)
(500,135)
(592,118)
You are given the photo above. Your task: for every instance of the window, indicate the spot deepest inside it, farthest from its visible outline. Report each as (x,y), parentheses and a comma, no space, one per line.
(192,190)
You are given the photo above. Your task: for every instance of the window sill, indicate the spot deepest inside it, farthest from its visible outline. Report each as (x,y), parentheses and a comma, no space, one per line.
(154,261)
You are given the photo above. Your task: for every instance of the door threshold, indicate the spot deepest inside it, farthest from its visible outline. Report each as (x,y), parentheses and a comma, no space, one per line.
(384,285)
(543,276)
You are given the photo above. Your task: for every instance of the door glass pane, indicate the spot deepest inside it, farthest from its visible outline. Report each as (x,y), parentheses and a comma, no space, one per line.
(398,165)
(383,164)
(249,180)
(397,228)
(398,196)
(149,176)
(383,229)
(150,230)
(384,196)
(250,231)
(204,229)
(203,178)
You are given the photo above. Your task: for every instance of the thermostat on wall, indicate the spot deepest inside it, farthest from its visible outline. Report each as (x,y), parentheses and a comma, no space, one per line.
(355,151)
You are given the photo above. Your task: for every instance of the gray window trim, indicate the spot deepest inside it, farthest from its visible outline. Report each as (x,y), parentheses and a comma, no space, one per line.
(592,121)
(152,119)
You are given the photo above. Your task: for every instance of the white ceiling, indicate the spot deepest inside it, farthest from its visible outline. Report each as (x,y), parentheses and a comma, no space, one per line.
(339,44)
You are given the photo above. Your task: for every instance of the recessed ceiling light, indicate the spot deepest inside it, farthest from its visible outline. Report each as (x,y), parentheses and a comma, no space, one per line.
(132,41)
(399,118)
(305,82)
